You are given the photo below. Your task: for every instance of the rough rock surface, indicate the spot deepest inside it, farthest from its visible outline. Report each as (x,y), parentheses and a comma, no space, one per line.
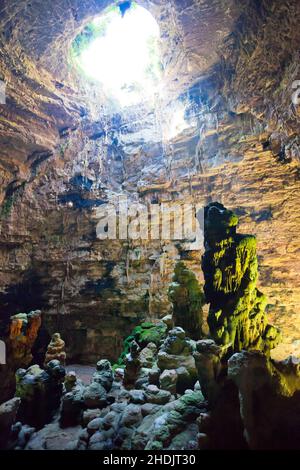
(237,317)
(8,414)
(233,64)
(269,396)
(248,401)
(187,298)
(40,392)
(56,350)
(20,336)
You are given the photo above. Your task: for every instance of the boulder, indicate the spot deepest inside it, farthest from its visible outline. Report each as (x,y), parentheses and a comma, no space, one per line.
(153,376)
(104,374)
(137,396)
(8,414)
(168,380)
(40,392)
(94,396)
(157,396)
(89,415)
(269,394)
(147,355)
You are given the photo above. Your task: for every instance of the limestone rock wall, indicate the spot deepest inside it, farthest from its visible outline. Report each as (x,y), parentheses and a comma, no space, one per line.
(232,65)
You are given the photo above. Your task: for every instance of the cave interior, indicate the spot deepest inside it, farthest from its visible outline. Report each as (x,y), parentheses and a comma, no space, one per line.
(149,225)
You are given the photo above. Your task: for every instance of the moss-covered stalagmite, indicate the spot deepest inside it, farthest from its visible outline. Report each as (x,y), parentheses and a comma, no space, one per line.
(142,334)
(187,298)
(237,315)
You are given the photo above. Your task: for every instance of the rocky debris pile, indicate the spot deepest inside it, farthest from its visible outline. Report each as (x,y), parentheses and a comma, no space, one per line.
(237,315)
(176,362)
(155,403)
(21,335)
(79,397)
(187,299)
(40,392)
(56,350)
(159,355)
(134,422)
(155,409)
(208,359)
(172,394)
(144,334)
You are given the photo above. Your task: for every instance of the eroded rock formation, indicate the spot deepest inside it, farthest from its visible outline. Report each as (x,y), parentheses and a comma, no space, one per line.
(237,317)
(40,392)
(269,397)
(56,350)
(228,73)
(20,336)
(62,155)
(181,394)
(187,298)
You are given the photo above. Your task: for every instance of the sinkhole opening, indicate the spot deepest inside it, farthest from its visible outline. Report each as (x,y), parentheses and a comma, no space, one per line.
(120,51)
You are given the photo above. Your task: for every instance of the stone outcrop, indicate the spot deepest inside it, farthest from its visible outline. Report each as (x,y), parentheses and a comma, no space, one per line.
(133,364)
(8,415)
(168,364)
(63,154)
(149,416)
(40,392)
(175,354)
(22,332)
(208,359)
(78,398)
(144,334)
(187,298)
(269,393)
(183,395)
(237,317)
(226,129)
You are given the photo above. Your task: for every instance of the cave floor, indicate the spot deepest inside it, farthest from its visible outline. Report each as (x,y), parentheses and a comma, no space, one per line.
(83,372)
(53,437)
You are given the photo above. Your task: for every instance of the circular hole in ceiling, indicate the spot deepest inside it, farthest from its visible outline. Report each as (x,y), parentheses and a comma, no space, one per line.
(119,51)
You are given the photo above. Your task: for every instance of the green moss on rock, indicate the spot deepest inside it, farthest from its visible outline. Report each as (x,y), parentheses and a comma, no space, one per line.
(237,315)
(143,334)
(187,298)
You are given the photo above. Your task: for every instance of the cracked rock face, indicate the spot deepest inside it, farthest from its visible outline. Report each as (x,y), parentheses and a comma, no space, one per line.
(231,64)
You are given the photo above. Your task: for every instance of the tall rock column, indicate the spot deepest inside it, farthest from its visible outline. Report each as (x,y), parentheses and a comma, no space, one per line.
(187,298)
(237,317)
(21,334)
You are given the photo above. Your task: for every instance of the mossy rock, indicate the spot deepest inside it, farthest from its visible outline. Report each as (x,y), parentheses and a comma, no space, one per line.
(154,334)
(143,334)
(187,298)
(237,316)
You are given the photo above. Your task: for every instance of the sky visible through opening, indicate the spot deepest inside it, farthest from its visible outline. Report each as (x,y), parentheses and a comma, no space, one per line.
(122,54)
